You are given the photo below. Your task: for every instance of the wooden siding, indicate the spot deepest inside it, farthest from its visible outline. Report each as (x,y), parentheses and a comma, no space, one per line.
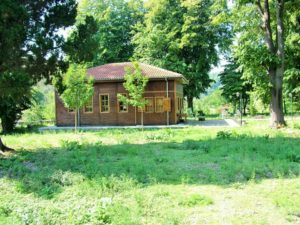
(114,117)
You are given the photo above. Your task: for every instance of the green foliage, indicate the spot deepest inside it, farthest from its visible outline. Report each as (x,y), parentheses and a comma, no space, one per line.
(82,44)
(224,134)
(104,31)
(14,101)
(135,83)
(197,200)
(43,107)
(179,36)
(79,87)
(253,51)
(234,88)
(30,49)
(211,104)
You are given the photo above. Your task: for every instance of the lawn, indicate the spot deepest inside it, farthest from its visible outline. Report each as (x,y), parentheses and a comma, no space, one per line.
(248,175)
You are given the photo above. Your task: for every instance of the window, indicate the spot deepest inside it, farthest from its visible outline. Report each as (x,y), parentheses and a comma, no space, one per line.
(88,108)
(122,107)
(150,105)
(159,104)
(104,103)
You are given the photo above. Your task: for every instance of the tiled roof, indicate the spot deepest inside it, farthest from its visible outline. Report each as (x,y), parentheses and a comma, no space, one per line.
(116,71)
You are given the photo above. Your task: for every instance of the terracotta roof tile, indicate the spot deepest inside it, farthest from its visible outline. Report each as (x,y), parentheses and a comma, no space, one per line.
(116,71)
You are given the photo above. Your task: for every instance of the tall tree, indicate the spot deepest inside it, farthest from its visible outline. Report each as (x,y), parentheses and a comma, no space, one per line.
(82,45)
(30,49)
(276,49)
(292,72)
(234,88)
(179,35)
(262,28)
(108,38)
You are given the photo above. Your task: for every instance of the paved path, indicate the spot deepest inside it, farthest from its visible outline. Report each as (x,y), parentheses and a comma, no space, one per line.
(208,123)
(214,123)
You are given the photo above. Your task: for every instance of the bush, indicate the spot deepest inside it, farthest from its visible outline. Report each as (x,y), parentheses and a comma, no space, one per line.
(224,134)
(197,200)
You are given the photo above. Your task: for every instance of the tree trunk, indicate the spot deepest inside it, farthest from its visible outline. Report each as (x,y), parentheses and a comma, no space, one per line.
(4,148)
(275,71)
(190,103)
(245,103)
(76,114)
(277,116)
(142,118)
(284,107)
(8,124)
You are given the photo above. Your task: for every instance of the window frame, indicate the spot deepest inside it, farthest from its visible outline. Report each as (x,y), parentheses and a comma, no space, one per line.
(162,106)
(84,109)
(100,102)
(153,106)
(118,104)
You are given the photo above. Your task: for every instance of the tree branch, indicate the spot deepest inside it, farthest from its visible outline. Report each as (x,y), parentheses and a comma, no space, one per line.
(267,27)
(260,9)
(279,31)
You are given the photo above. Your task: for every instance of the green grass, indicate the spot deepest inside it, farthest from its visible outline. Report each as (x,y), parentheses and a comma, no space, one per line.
(246,175)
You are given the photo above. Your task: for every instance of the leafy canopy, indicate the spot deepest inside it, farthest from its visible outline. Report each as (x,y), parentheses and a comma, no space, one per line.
(78,87)
(135,83)
(103,31)
(180,36)
(234,87)
(30,50)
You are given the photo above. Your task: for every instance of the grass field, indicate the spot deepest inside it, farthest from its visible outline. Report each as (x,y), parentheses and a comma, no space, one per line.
(248,175)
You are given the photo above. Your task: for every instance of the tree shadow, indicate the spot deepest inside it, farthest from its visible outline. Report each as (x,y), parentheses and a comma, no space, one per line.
(220,161)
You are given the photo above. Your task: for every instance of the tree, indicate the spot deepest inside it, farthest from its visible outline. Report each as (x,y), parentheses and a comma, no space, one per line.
(104,31)
(263,28)
(292,73)
(14,99)
(78,89)
(135,83)
(4,148)
(82,44)
(179,35)
(30,49)
(234,88)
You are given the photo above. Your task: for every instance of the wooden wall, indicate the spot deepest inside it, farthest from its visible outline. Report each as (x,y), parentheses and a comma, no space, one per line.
(114,117)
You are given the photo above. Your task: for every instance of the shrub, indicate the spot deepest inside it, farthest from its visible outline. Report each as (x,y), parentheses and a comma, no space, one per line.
(293,157)
(224,134)
(197,200)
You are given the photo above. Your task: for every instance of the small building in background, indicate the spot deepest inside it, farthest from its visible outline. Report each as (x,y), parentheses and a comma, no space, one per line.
(164,93)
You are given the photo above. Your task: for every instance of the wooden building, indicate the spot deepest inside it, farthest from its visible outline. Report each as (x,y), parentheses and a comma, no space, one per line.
(164,94)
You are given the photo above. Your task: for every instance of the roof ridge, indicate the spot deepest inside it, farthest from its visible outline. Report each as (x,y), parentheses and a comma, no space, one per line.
(116,71)
(156,67)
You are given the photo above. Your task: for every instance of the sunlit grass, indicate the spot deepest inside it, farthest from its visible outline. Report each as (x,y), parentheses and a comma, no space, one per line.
(247,175)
